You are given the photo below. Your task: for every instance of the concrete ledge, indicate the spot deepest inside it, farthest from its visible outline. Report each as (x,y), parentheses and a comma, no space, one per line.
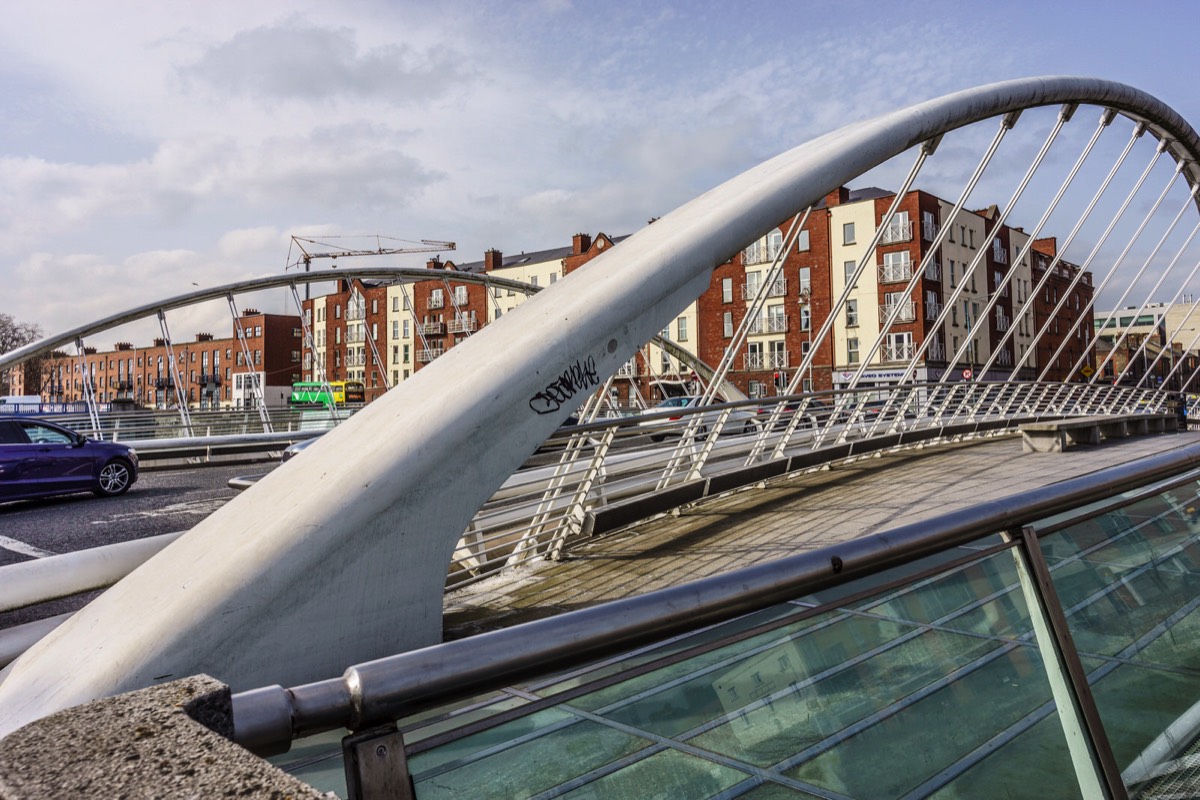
(1057,435)
(172,740)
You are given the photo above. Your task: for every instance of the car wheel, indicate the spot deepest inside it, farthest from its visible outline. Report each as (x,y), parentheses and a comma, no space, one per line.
(657,437)
(749,428)
(115,478)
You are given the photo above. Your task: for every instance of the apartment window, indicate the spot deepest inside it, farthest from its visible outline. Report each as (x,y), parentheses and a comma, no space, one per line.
(337,311)
(851,313)
(973,281)
(258,330)
(374,306)
(928,226)
(727,290)
(681,327)
(406,355)
(971,234)
(753,280)
(395,302)
(954,315)
(802,245)
(848,233)
(852,350)
(460,295)
(850,268)
(554,277)
(533,280)
(774,243)
(950,238)
(374,330)
(395,355)
(805,280)
(727,321)
(436,299)
(395,329)
(405,328)
(258,356)
(337,335)
(805,319)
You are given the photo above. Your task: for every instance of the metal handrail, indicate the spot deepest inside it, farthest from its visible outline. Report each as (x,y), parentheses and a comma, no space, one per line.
(266,720)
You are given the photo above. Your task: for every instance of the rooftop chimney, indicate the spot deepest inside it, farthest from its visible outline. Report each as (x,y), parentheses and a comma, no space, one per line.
(580,242)
(492,259)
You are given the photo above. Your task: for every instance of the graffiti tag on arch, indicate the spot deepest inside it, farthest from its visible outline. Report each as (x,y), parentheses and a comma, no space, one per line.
(574,379)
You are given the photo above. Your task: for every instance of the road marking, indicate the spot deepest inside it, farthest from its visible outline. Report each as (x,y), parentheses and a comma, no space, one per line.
(22,548)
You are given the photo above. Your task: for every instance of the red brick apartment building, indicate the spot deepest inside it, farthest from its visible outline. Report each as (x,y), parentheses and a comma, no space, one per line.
(212,372)
(380,333)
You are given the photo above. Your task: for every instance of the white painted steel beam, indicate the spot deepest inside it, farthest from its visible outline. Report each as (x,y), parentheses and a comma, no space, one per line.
(339,556)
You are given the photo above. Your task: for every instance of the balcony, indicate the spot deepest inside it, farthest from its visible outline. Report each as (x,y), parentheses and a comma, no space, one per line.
(432,328)
(122,385)
(213,380)
(436,301)
(897,232)
(907,311)
(354,312)
(777,324)
(426,355)
(903,351)
(627,370)
(932,310)
(463,326)
(776,289)
(755,361)
(164,383)
(933,271)
(777,359)
(895,271)
(929,231)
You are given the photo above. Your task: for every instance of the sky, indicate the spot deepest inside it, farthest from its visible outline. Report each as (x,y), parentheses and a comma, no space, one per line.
(148,148)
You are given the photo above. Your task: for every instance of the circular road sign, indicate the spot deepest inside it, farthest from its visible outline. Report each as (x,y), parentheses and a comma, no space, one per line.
(967,374)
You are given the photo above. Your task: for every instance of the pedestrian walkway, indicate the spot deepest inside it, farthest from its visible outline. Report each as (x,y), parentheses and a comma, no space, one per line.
(803,512)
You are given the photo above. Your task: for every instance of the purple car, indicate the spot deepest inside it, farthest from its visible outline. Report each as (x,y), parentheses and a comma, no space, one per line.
(39,458)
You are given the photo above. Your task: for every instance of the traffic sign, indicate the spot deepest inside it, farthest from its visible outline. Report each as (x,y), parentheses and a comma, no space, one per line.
(967,374)
(1087,371)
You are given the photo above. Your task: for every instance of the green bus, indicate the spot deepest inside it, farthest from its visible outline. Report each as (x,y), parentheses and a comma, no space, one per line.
(314,393)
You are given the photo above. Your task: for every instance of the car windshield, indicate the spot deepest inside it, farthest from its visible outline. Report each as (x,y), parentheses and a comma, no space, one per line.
(675,402)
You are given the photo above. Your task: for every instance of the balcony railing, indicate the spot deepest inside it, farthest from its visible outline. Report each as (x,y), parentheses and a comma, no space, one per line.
(897,232)
(933,271)
(776,289)
(214,379)
(898,352)
(907,312)
(777,324)
(895,271)
(929,231)
(755,361)
(777,359)
(432,328)
(164,383)
(463,326)
(932,310)
(426,355)
(627,370)
(436,301)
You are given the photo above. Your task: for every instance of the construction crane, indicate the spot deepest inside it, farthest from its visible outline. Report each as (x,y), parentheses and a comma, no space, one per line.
(334,251)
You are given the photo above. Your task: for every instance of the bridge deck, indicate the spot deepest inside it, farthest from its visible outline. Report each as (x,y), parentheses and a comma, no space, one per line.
(807,511)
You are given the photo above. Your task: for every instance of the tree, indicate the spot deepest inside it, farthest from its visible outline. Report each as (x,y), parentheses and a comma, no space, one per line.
(14,334)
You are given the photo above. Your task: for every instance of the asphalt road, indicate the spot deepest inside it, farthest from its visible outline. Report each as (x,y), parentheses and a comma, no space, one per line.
(160,502)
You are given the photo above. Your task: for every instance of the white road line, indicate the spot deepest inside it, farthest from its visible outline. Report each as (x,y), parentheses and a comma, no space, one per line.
(22,548)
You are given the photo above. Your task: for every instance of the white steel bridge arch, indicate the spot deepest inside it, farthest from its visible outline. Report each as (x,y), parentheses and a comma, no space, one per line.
(315,569)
